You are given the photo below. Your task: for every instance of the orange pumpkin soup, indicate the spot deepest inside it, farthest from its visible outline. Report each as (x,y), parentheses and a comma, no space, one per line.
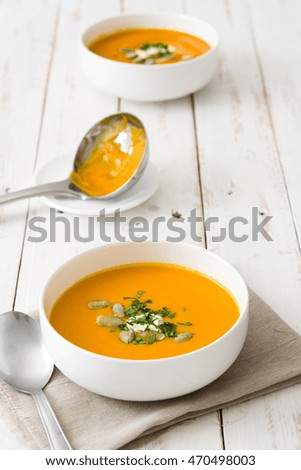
(144,311)
(113,160)
(149,46)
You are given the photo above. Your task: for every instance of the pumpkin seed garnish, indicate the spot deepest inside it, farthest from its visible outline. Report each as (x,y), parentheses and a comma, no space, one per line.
(97,304)
(186,57)
(105,320)
(139,323)
(160,336)
(125,50)
(183,337)
(126,336)
(118,310)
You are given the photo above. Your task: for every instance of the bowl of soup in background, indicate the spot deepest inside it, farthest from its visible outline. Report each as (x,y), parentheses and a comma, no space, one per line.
(142,82)
(144,379)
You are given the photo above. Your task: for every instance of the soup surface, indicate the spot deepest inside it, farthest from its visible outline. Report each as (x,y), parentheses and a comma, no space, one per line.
(191,303)
(149,46)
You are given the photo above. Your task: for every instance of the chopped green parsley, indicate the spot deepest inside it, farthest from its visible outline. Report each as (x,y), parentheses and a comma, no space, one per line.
(142,324)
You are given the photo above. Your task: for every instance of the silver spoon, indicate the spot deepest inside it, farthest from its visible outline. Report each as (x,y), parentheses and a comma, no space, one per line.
(26,366)
(69,189)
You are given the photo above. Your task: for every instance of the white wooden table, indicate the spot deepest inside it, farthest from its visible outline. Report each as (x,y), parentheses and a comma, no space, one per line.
(232,146)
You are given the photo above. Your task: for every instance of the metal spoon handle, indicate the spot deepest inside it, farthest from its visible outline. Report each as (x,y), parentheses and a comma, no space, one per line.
(59,187)
(55,434)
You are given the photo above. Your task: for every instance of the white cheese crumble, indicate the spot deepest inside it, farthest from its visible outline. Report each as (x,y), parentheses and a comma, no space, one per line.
(153,328)
(171,49)
(141,54)
(157,319)
(124,138)
(138,317)
(136,327)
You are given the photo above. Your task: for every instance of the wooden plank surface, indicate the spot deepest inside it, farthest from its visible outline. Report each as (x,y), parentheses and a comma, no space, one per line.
(25,60)
(241,131)
(279,60)
(240,169)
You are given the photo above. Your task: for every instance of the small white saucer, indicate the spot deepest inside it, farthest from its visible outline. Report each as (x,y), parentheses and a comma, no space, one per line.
(60,168)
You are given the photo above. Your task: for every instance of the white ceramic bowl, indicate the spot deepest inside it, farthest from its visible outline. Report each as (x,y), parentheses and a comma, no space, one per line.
(150,82)
(130,379)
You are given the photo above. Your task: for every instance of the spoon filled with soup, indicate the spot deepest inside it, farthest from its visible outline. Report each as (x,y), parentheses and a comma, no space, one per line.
(110,159)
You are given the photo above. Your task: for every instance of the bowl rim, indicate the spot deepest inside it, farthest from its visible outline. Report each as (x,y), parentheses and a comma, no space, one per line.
(243,312)
(199,58)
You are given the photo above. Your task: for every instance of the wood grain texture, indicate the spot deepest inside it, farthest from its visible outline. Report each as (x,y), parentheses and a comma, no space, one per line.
(240,169)
(27,32)
(269,422)
(279,59)
(197,433)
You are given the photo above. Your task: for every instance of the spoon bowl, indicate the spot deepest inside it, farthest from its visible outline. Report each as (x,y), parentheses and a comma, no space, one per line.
(24,361)
(93,137)
(26,366)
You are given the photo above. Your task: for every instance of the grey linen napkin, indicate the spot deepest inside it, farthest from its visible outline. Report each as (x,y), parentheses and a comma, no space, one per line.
(269,361)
